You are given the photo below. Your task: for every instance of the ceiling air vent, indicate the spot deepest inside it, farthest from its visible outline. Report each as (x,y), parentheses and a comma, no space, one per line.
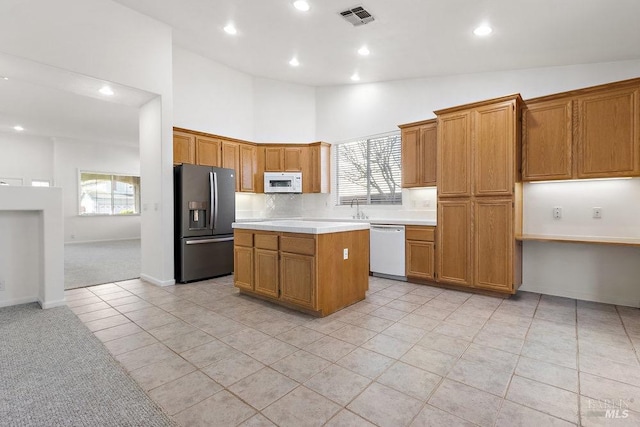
(357,15)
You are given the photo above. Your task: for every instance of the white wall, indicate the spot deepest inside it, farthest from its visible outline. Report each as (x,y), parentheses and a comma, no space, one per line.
(20,241)
(26,157)
(108,41)
(284,112)
(74,156)
(210,97)
(352,111)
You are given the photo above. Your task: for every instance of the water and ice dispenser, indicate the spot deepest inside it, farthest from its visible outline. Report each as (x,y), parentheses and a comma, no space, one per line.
(197,215)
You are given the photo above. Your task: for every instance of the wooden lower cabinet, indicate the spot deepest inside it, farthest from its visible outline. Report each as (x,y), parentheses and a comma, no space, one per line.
(243,262)
(302,271)
(493,244)
(298,280)
(419,253)
(266,271)
(454,242)
(476,244)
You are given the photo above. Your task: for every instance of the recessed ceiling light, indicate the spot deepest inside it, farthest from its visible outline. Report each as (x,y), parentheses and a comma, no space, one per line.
(18,128)
(355,77)
(301,5)
(5,78)
(106,90)
(364,51)
(230,29)
(483,30)
(294,62)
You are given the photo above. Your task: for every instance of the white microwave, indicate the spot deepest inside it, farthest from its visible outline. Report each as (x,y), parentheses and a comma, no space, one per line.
(283,182)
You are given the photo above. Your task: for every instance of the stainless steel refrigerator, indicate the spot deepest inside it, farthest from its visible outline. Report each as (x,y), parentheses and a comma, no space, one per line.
(205,207)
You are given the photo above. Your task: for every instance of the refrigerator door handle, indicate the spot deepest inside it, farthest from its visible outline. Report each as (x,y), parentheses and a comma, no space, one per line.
(217,202)
(202,241)
(211,198)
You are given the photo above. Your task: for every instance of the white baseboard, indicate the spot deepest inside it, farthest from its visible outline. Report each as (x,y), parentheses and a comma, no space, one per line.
(18,301)
(51,304)
(577,294)
(157,282)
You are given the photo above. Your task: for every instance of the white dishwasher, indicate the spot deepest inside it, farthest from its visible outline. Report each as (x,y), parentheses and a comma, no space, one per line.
(386,247)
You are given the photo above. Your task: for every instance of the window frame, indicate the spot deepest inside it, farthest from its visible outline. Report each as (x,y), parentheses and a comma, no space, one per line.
(367,200)
(137,196)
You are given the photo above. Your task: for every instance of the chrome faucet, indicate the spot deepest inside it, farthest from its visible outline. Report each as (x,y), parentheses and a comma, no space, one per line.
(359,214)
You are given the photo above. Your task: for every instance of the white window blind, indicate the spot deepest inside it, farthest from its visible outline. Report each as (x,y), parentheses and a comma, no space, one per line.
(109,194)
(369,169)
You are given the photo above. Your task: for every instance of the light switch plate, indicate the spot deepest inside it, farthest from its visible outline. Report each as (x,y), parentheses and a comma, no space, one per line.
(345,253)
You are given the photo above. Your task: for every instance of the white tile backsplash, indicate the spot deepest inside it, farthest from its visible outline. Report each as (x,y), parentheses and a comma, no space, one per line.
(416,204)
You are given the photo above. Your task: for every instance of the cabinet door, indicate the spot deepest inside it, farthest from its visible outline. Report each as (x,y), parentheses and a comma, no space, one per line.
(494,144)
(494,244)
(609,135)
(273,159)
(427,156)
(292,157)
(454,159)
(248,166)
(314,170)
(243,267)
(298,282)
(419,259)
(454,242)
(184,148)
(266,272)
(547,141)
(231,159)
(410,157)
(207,151)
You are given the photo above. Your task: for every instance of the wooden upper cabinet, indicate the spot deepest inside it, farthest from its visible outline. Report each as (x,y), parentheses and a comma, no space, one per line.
(410,154)
(428,154)
(454,154)
(494,244)
(248,167)
(419,146)
(208,151)
(609,134)
(184,148)
(547,140)
(283,159)
(231,159)
(273,161)
(494,148)
(454,242)
(292,159)
(316,168)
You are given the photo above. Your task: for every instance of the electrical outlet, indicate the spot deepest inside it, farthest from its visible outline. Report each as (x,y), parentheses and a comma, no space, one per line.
(597,213)
(345,253)
(557,212)
(1,285)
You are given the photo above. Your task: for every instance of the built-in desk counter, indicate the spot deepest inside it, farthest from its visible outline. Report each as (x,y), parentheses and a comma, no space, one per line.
(618,241)
(313,266)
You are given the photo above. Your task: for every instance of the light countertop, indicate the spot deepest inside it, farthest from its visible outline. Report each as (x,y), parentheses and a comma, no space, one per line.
(396,221)
(300,226)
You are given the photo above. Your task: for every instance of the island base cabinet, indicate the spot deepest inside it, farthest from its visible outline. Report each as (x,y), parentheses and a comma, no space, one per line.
(306,272)
(243,267)
(298,280)
(266,272)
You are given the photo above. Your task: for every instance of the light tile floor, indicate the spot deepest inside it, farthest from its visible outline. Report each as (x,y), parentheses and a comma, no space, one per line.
(407,355)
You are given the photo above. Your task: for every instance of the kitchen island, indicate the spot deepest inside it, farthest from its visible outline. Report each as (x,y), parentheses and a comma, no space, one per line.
(316,267)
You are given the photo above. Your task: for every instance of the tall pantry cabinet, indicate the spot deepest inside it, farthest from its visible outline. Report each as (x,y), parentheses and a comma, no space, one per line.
(479,195)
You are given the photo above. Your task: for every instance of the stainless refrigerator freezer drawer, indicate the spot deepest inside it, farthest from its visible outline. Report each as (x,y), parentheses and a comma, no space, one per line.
(202,258)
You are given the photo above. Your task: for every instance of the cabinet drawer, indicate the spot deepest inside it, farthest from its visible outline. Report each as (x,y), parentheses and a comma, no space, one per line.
(242,238)
(425,234)
(266,241)
(298,245)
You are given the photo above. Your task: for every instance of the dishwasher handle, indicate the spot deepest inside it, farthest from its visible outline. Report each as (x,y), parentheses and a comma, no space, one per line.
(388,228)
